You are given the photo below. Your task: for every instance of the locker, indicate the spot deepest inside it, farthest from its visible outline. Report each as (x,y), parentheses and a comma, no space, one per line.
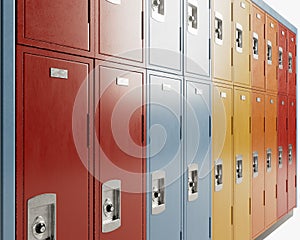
(221,40)
(292,160)
(257,41)
(197,37)
(164,39)
(164,157)
(271,61)
(240,42)
(222,140)
(45,24)
(197,187)
(282,155)
(48,161)
(120,30)
(291,63)
(242,163)
(258,163)
(270,159)
(282,59)
(120,158)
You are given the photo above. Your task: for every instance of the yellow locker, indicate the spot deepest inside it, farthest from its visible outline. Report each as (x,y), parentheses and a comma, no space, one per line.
(240,48)
(221,40)
(222,163)
(242,163)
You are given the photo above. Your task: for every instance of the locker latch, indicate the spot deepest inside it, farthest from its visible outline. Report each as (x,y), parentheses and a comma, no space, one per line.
(255,164)
(290,62)
(280,58)
(218,175)
(218,28)
(193,182)
(111,206)
(239,38)
(42,217)
(269,52)
(158,10)
(255,45)
(280,159)
(193,17)
(290,154)
(158,192)
(239,169)
(269,160)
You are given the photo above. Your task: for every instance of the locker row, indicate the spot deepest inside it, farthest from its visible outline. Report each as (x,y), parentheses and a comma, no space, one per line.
(137,154)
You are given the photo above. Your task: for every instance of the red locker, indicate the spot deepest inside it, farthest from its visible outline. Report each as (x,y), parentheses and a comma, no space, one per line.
(282,59)
(66,26)
(282,141)
(291,63)
(292,153)
(48,160)
(119,153)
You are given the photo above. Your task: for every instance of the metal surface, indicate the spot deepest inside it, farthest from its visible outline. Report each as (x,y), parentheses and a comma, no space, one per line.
(158,192)
(218,175)
(193,182)
(58,73)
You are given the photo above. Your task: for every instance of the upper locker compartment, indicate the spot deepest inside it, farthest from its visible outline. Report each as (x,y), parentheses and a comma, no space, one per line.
(120,30)
(240,42)
(291,63)
(164,35)
(257,39)
(271,57)
(197,38)
(282,59)
(45,24)
(221,40)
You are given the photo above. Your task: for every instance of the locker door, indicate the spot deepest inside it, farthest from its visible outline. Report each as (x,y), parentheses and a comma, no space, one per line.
(292,161)
(258,163)
(197,34)
(120,27)
(270,159)
(49,164)
(46,24)
(282,59)
(198,163)
(222,163)
(271,59)
(282,156)
(291,63)
(242,163)
(120,158)
(164,158)
(257,50)
(221,40)
(240,42)
(165,33)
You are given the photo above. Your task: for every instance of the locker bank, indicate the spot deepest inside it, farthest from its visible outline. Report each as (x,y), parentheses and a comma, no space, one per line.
(146,120)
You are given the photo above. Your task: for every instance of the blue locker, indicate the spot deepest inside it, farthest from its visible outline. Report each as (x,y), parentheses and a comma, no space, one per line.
(197,178)
(164,161)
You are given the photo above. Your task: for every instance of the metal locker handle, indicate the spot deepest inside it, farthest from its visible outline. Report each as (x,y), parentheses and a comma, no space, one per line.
(218,175)
(158,10)
(218,28)
(290,62)
(158,192)
(115,1)
(280,159)
(193,16)
(290,154)
(269,52)
(255,164)
(255,45)
(280,58)
(269,160)
(239,38)
(239,169)
(193,182)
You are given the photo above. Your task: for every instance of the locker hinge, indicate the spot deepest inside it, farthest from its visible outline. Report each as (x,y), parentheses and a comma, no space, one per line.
(264,31)
(209,225)
(250,125)
(232,57)
(231,215)
(209,47)
(295,181)
(277,69)
(250,63)
(264,68)
(232,12)
(264,198)
(276,192)
(88,130)
(209,126)
(286,124)
(250,22)
(250,206)
(231,125)
(142,21)
(276,124)
(89,11)
(265,124)
(180,39)
(287,185)
(143,128)
(209,4)
(180,235)
(180,130)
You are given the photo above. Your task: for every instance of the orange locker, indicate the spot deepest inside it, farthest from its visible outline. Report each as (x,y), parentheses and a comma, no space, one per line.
(271,59)
(240,42)
(257,41)
(291,63)
(282,59)
(258,163)
(222,163)
(242,164)
(270,159)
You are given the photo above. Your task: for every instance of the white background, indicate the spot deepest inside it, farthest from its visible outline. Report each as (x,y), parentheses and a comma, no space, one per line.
(290,10)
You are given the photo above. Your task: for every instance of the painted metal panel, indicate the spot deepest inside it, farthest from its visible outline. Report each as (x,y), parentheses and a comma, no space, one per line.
(197,37)
(198,154)
(164,156)
(258,163)
(271,157)
(291,63)
(257,50)
(222,146)
(282,59)
(221,40)
(271,51)
(242,164)
(292,158)
(282,157)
